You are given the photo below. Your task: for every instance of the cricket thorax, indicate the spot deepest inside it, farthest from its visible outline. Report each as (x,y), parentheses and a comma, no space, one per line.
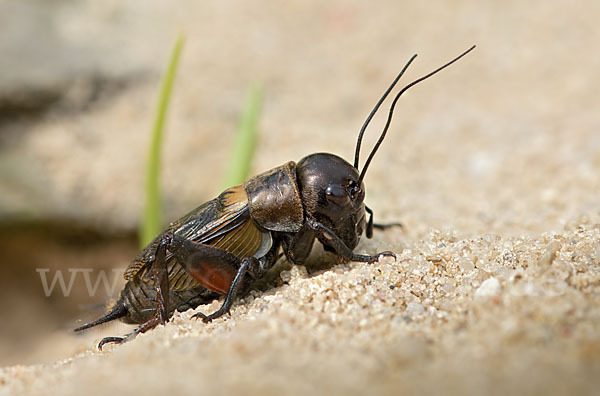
(274,199)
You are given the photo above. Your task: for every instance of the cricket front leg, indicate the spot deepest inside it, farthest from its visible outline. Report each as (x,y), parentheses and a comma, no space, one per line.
(297,247)
(328,237)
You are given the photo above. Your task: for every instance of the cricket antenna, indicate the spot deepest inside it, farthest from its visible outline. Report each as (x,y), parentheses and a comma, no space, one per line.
(370,117)
(391,113)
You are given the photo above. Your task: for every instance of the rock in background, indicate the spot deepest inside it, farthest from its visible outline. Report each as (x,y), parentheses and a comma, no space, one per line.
(519,107)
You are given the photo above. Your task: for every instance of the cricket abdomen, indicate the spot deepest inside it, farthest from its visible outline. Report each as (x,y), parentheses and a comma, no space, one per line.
(139,298)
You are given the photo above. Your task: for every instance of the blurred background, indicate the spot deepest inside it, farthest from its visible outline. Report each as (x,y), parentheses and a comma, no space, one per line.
(506,141)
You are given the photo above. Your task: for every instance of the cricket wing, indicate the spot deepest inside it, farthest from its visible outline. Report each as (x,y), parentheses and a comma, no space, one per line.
(223,223)
(216,269)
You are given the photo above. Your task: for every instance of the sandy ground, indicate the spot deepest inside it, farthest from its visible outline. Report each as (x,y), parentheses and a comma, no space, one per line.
(492,166)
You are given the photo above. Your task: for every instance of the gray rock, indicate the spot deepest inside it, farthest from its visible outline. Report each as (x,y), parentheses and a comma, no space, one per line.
(44,61)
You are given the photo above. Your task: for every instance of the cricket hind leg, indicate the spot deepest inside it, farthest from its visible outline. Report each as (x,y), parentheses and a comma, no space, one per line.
(214,268)
(249,264)
(217,270)
(201,296)
(161,282)
(144,327)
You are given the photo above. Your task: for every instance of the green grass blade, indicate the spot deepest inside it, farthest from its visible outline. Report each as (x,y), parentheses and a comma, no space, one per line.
(152,216)
(245,142)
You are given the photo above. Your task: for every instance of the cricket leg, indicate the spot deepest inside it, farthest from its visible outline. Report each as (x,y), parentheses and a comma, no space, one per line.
(161,282)
(215,269)
(379,226)
(248,264)
(328,237)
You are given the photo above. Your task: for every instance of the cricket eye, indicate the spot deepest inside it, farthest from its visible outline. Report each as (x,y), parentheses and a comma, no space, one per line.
(337,194)
(353,190)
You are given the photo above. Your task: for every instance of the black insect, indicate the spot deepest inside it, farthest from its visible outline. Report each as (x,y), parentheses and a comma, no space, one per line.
(222,246)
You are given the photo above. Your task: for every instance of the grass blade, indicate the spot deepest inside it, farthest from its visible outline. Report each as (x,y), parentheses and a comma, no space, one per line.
(152,216)
(245,142)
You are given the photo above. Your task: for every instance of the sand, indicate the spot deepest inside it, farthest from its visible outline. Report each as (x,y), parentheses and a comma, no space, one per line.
(457,316)
(493,168)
